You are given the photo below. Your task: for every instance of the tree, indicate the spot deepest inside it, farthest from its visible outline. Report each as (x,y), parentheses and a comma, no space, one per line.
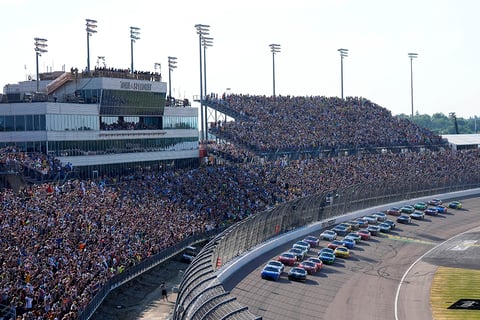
(442,124)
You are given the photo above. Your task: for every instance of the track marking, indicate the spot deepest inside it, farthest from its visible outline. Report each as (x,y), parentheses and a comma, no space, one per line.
(417,261)
(464,245)
(408,239)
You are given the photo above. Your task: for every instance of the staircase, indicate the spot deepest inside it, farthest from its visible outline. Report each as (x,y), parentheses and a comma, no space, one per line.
(58,82)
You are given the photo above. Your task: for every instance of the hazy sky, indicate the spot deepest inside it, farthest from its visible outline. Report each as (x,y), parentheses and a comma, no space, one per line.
(379,34)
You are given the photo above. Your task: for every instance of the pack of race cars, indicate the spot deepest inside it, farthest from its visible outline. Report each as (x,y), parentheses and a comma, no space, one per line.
(308,256)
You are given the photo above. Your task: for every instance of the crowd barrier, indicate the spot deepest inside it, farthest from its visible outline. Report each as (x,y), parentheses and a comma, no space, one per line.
(143,266)
(201,294)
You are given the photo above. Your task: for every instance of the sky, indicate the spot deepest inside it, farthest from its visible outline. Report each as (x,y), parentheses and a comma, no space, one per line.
(379,35)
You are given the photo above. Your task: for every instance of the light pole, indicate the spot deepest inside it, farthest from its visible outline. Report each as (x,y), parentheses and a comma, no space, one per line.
(91,26)
(343,54)
(202,30)
(275,48)
(453,115)
(172,64)
(206,42)
(412,56)
(40,47)
(134,35)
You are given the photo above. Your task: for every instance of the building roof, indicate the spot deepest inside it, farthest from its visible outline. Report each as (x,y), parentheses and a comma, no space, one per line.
(462,139)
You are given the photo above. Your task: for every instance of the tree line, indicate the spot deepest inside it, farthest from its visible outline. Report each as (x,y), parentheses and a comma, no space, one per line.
(443,124)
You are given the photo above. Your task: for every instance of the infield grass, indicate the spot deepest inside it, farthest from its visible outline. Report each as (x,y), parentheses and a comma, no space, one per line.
(450,285)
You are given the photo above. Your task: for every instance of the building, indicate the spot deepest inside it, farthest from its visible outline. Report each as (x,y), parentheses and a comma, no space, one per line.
(462,141)
(107,121)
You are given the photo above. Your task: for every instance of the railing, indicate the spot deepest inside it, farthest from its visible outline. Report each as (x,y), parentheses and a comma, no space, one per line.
(138,269)
(201,295)
(7,312)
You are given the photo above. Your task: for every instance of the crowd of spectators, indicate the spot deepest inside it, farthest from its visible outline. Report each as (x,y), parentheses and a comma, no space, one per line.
(32,163)
(62,242)
(126,125)
(122,73)
(292,123)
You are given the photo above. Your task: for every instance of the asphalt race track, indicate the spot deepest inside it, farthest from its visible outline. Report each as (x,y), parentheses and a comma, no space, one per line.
(364,286)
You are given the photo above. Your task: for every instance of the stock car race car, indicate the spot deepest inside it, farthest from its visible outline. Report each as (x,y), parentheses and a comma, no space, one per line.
(420,206)
(309,266)
(407,209)
(312,241)
(394,211)
(270,273)
(287,258)
(342,252)
(417,215)
(297,274)
(441,209)
(435,202)
(431,211)
(404,219)
(455,204)
(327,257)
(364,234)
(329,235)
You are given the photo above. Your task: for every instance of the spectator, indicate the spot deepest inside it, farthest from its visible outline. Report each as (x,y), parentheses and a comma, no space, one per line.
(63,242)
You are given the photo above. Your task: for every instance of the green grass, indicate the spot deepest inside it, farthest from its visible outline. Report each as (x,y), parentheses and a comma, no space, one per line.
(448,286)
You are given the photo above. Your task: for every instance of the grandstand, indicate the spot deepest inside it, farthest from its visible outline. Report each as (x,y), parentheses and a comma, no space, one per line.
(108,121)
(66,241)
(316,126)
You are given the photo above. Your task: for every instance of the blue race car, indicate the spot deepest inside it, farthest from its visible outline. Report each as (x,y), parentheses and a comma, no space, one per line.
(348,242)
(441,209)
(455,205)
(327,258)
(270,273)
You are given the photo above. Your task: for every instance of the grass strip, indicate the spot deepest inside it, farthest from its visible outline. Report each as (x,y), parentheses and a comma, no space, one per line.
(450,285)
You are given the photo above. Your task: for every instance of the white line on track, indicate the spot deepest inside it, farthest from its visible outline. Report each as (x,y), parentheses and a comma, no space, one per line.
(418,260)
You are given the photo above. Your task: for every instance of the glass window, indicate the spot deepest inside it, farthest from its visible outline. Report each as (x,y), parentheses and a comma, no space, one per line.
(180,123)
(130,103)
(40,125)
(20,123)
(29,122)
(71,122)
(9,123)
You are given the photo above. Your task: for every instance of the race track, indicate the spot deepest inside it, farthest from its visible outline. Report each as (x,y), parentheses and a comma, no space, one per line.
(364,286)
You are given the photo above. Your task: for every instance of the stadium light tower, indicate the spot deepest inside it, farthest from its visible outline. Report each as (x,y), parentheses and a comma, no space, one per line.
(172,64)
(134,35)
(202,30)
(412,56)
(40,47)
(275,48)
(91,26)
(343,54)
(206,42)
(453,116)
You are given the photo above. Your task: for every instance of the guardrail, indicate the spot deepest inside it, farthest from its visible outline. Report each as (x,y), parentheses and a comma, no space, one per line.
(136,270)
(201,295)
